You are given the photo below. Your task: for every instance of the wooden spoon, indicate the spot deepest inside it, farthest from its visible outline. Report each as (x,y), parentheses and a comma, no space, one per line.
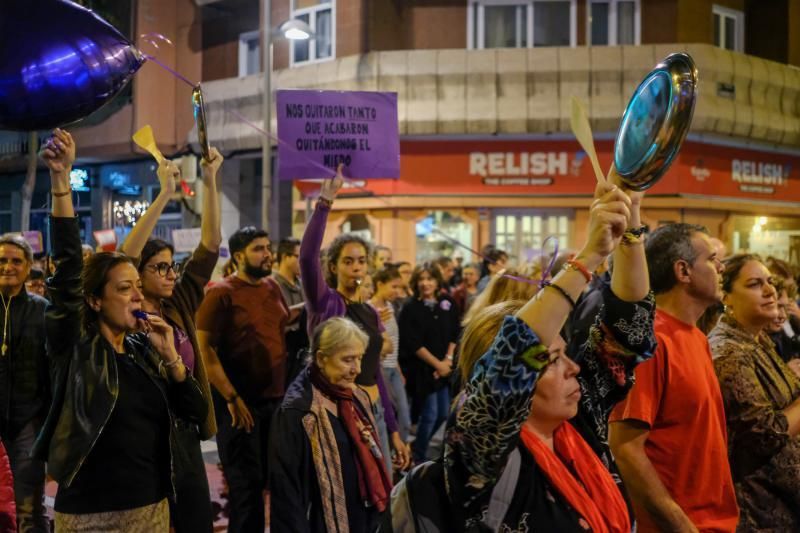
(579,123)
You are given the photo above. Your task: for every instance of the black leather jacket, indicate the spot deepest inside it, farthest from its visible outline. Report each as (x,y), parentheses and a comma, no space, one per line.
(85,370)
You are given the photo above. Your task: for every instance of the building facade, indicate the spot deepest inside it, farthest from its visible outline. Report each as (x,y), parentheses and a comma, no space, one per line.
(483,101)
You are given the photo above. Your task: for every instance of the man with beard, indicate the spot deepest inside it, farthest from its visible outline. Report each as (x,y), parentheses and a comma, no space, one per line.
(241,325)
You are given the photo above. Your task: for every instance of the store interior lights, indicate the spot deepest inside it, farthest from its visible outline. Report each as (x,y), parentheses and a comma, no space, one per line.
(127,213)
(759,224)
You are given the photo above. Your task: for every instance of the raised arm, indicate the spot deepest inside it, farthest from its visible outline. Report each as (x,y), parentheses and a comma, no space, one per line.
(630,280)
(211,221)
(168,173)
(314,286)
(64,287)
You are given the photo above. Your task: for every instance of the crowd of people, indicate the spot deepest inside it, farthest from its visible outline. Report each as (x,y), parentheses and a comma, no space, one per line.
(646,381)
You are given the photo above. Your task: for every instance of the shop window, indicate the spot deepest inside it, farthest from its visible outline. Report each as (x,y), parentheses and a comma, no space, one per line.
(728,28)
(522,233)
(521,24)
(766,235)
(249,53)
(438,233)
(319,14)
(614,22)
(359,225)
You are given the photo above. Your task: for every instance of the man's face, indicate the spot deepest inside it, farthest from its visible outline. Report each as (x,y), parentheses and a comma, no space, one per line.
(381,258)
(705,271)
(14,267)
(291,261)
(256,259)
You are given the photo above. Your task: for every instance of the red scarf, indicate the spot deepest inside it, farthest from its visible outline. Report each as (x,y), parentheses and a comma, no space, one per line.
(594,495)
(373,480)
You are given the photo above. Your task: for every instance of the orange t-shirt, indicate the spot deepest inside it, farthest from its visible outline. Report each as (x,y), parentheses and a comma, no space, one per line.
(677,394)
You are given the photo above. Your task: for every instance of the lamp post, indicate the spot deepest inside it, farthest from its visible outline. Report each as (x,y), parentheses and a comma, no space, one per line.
(292,29)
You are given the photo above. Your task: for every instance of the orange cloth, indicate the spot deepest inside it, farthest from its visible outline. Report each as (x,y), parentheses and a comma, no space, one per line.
(595,496)
(677,394)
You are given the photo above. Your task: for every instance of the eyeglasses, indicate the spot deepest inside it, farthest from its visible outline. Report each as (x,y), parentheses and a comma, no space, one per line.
(164,268)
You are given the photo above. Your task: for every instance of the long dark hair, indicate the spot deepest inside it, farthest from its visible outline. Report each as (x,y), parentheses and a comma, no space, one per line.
(93,280)
(335,250)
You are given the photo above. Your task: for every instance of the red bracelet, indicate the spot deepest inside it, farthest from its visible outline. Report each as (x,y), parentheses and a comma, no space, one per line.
(580,267)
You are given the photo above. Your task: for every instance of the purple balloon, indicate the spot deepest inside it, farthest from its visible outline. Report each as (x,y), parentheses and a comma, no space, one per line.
(59,62)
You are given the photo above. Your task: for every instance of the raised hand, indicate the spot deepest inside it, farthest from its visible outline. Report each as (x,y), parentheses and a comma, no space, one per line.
(58,153)
(609,218)
(168,176)
(330,187)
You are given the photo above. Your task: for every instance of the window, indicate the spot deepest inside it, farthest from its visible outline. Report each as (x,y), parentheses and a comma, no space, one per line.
(728,28)
(522,233)
(521,24)
(319,14)
(249,53)
(614,22)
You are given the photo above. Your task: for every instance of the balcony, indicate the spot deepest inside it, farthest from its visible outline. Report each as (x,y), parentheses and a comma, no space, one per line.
(519,91)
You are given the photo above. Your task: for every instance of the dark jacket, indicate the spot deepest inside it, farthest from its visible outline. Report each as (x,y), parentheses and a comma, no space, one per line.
(25,384)
(181,309)
(85,367)
(293,478)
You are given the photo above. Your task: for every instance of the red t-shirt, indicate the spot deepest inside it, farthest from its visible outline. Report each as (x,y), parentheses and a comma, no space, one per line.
(677,394)
(246,325)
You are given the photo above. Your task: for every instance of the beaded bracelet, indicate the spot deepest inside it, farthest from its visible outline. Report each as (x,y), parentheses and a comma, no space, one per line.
(564,293)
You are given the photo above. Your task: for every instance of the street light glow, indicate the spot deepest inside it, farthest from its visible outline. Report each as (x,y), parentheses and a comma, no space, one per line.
(296,34)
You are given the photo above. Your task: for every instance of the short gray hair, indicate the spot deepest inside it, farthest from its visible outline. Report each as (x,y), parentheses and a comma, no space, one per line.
(20,242)
(335,334)
(664,247)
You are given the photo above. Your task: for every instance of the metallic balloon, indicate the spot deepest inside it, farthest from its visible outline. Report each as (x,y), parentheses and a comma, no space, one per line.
(656,122)
(59,62)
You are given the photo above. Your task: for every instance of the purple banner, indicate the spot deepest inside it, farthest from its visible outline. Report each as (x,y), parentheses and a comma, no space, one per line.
(320,129)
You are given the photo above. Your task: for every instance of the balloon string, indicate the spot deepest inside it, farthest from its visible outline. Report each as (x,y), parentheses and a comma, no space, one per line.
(170,70)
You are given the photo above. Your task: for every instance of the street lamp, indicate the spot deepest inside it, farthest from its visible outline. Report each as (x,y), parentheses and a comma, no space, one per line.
(293,29)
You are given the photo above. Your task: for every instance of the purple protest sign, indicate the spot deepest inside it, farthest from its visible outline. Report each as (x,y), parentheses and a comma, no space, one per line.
(320,129)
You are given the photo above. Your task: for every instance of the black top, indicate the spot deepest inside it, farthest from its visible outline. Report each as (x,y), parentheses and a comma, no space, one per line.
(365,316)
(433,325)
(129,466)
(359,518)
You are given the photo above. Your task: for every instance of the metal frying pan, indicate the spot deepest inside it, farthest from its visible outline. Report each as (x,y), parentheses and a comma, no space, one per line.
(656,122)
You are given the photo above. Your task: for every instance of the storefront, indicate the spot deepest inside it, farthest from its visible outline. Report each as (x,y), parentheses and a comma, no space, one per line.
(515,193)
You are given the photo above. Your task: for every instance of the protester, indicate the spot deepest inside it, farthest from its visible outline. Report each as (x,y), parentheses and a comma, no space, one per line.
(8,510)
(787,348)
(109,435)
(326,467)
(387,285)
(428,334)
(174,293)
(380,256)
(762,400)
(511,463)
(674,413)
(241,326)
(493,262)
(35,284)
(288,277)
(447,269)
(336,293)
(25,388)
(366,289)
(465,293)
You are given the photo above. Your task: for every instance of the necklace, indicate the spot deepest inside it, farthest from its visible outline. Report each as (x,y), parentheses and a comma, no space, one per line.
(4,348)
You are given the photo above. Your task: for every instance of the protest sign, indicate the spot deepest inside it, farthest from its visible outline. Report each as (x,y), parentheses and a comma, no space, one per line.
(185,240)
(34,238)
(318,130)
(106,239)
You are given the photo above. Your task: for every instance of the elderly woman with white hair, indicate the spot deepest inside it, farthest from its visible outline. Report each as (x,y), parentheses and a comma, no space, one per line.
(327,471)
